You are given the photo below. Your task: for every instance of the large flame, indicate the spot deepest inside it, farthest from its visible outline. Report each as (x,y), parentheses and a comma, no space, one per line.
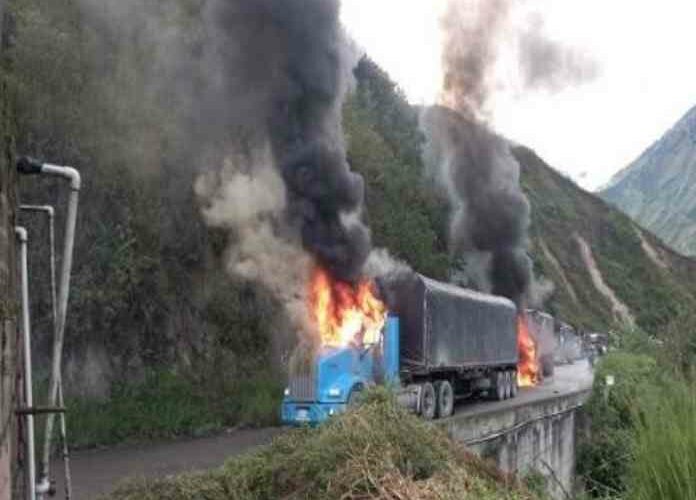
(345,313)
(528,372)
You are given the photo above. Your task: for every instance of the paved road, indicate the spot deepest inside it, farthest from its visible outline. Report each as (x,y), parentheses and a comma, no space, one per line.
(97,471)
(567,379)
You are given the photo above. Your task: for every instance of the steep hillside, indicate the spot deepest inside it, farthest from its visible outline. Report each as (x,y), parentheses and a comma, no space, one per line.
(604,267)
(659,189)
(156,325)
(606,271)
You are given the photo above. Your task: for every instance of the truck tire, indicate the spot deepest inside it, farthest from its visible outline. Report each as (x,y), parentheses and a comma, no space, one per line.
(428,401)
(445,399)
(508,385)
(355,397)
(499,386)
(513,387)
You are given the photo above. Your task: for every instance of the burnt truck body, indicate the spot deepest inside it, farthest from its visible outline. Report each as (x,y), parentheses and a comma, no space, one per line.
(440,342)
(542,328)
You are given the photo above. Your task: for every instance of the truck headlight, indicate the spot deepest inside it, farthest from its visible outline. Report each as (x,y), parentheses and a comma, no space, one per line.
(286,392)
(335,392)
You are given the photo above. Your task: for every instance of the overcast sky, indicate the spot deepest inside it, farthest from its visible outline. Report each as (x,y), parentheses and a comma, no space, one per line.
(645,51)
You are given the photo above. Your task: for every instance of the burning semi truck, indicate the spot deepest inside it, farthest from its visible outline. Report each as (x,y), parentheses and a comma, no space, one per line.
(437,343)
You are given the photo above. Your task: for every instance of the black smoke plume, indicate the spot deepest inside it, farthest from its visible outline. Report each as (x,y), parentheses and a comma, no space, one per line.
(490,215)
(474,167)
(283,68)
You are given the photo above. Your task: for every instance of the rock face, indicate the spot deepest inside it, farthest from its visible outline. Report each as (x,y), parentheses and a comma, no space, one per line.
(658,190)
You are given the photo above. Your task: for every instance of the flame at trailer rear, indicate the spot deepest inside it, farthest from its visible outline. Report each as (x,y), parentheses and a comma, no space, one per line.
(345,313)
(528,370)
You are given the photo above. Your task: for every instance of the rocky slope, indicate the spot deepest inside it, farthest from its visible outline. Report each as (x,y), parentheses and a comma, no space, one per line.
(606,270)
(659,189)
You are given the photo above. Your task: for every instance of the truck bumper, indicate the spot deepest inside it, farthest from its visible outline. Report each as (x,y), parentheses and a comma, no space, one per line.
(309,413)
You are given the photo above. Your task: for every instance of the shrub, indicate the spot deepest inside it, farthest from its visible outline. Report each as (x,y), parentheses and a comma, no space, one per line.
(604,459)
(375,451)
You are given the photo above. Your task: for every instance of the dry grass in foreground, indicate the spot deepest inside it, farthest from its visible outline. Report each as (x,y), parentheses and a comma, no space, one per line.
(377,451)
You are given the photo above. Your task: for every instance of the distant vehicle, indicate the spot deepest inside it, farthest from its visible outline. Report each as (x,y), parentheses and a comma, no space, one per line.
(568,345)
(439,343)
(596,345)
(541,326)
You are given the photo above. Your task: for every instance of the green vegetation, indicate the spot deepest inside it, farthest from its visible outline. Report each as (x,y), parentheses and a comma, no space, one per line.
(375,451)
(604,460)
(151,307)
(655,294)
(642,439)
(664,463)
(165,405)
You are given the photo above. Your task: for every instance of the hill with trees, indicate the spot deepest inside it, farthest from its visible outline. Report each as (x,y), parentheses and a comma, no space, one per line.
(160,339)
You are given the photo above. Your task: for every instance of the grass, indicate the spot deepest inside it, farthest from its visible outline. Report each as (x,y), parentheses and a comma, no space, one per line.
(604,458)
(166,405)
(643,431)
(664,463)
(376,451)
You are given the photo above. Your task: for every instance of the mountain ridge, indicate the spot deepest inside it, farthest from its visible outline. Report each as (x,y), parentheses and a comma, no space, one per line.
(658,189)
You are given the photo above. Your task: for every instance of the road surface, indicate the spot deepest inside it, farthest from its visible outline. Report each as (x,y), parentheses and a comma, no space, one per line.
(97,471)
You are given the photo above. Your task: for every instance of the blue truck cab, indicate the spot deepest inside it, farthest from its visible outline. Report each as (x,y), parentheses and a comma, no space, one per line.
(337,374)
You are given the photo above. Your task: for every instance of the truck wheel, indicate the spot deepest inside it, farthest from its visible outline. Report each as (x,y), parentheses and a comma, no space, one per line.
(513,385)
(445,399)
(499,388)
(428,403)
(355,397)
(508,385)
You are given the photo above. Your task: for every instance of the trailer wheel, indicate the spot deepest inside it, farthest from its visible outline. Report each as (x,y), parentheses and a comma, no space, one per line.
(499,388)
(428,401)
(445,398)
(513,385)
(508,385)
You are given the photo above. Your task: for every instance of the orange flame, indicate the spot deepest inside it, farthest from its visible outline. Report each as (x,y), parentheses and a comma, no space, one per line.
(345,313)
(528,366)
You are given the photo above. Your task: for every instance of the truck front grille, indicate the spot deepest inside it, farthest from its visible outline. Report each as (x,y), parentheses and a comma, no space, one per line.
(302,388)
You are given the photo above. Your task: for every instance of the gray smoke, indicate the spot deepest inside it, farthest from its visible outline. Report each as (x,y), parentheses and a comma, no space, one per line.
(471,29)
(551,65)
(489,217)
(474,32)
(283,67)
(253,92)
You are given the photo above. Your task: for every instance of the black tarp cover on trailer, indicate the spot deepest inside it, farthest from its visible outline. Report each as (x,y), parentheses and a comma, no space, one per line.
(447,327)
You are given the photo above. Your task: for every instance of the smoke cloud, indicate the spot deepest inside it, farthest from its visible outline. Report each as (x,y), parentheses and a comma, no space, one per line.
(550,65)
(489,213)
(257,88)
(284,68)
(475,34)
(471,29)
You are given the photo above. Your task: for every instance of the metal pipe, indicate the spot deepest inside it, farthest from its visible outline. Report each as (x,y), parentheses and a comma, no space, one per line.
(44,485)
(21,235)
(28,166)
